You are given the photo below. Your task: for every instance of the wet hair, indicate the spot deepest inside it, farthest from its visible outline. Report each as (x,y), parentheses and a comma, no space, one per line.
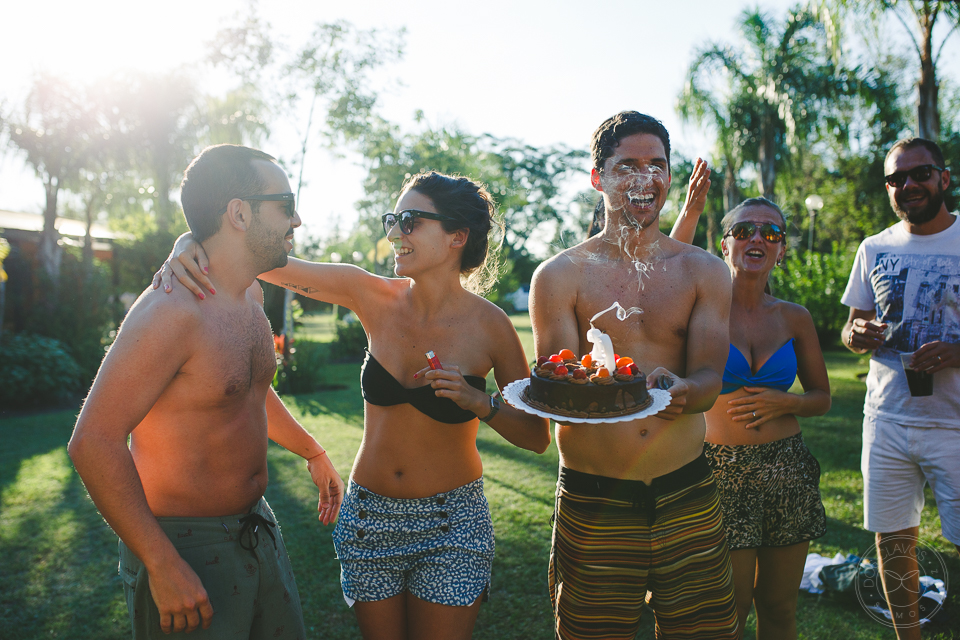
(472,208)
(216,176)
(910,143)
(626,123)
(728,220)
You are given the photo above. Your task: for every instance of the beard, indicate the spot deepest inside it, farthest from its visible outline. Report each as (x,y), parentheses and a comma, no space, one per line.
(925,214)
(267,248)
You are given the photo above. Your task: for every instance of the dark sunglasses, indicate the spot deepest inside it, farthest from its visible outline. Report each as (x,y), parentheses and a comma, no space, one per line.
(768,231)
(919,174)
(289,198)
(405,219)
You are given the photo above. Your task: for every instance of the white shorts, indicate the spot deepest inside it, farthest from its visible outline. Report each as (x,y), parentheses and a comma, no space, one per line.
(896,462)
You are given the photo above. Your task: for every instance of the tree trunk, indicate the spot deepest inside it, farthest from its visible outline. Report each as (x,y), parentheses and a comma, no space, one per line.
(731,198)
(731,192)
(767,160)
(50,252)
(88,240)
(712,233)
(928,91)
(164,207)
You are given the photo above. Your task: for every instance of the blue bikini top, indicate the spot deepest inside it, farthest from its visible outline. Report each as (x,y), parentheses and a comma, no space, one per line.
(778,372)
(380,388)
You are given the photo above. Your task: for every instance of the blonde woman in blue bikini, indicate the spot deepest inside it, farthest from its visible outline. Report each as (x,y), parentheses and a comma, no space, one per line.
(768,479)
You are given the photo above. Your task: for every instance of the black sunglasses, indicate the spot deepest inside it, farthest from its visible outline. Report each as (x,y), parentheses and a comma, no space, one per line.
(289,198)
(405,219)
(768,231)
(919,174)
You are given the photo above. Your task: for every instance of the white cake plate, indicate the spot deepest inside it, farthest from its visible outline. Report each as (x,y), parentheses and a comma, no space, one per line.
(513,394)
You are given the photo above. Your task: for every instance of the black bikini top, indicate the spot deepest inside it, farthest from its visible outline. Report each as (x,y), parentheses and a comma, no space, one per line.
(380,388)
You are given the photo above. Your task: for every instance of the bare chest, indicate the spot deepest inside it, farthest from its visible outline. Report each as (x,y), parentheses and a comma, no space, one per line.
(401,347)
(658,302)
(239,356)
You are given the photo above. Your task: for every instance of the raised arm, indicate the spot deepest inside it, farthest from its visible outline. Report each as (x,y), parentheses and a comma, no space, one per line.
(686,225)
(343,284)
(156,339)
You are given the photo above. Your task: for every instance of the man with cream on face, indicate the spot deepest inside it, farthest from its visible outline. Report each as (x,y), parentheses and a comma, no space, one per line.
(637,507)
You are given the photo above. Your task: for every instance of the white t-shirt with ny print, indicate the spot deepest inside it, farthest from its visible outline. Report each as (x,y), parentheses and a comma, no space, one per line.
(913,284)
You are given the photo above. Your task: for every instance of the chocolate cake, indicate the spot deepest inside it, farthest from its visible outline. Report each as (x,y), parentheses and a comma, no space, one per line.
(579,389)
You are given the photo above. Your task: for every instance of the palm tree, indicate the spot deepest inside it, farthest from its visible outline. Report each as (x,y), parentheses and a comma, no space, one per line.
(763,98)
(923,16)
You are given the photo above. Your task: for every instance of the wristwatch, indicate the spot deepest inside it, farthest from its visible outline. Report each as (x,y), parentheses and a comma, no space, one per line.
(494,408)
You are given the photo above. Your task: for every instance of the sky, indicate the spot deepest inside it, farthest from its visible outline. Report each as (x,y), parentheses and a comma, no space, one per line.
(543,72)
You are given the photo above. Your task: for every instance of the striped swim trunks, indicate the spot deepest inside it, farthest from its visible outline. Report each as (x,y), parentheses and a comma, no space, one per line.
(613,540)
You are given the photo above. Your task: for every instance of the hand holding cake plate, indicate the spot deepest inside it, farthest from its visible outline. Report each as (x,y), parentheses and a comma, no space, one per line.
(514,393)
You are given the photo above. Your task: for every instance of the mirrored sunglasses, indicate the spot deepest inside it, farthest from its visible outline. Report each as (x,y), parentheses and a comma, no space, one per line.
(406,218)
(289,199)
(768,231)
(919,174)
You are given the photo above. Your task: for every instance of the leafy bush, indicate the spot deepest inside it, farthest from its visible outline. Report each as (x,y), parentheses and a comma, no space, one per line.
(816,281)
(36,371)
(78,311)
(351,341)
(303,372)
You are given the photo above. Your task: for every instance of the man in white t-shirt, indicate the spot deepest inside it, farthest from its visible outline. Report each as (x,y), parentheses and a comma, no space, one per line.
(904,297)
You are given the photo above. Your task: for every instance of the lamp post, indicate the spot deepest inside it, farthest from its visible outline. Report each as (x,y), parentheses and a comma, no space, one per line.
(814,204)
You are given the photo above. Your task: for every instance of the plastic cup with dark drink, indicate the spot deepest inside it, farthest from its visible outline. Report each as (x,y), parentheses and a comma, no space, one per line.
(920,382)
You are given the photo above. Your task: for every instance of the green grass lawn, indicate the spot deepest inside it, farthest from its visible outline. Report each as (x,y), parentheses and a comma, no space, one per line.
(59,560)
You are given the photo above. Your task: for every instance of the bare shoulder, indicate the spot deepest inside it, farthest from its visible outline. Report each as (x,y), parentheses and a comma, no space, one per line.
(698,260)
(176,313)
(797,316)
(706,272)
(489,314)
(563,269)
(564,262)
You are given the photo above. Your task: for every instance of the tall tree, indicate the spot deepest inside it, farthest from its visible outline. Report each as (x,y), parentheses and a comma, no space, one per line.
(707,108)
(53,131)
(918,19)
(764,97)
(330,72)
(164,117)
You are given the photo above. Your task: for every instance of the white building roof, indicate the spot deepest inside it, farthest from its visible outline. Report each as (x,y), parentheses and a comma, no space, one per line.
(66,226)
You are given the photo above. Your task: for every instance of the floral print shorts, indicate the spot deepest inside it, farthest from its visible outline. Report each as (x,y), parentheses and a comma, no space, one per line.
(439,548)
(769,493)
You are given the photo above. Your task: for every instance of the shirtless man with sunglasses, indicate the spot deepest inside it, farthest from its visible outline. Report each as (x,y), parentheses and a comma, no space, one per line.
(190,385)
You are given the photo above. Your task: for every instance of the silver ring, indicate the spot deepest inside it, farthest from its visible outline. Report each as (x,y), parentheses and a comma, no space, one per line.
(754,414)
(939,359)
